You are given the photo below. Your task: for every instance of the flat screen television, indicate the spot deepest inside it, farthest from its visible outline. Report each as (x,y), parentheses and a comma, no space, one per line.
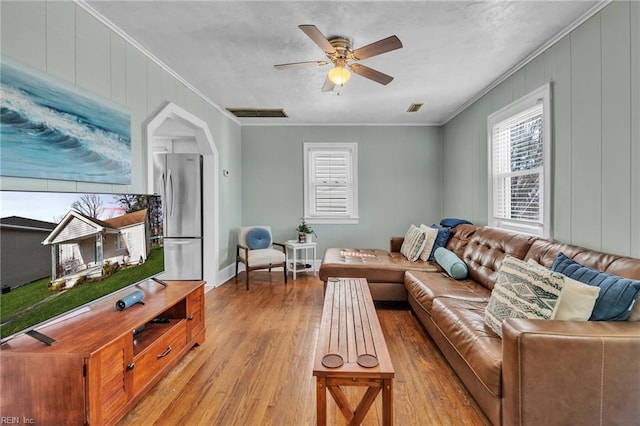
(60,252)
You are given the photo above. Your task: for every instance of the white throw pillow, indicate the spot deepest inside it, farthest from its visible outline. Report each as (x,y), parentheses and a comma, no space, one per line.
(576,300)
(413,243)
(429,240)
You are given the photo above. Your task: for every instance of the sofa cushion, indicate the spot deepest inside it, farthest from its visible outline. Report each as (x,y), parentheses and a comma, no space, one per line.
(430,235)
(487,248)
(264,257)
(617,294)
(377,266)
(427,286)
(523,291)
(452,265)
(460,237)
(413,243)
(545,252)
(441,240)
(462,322)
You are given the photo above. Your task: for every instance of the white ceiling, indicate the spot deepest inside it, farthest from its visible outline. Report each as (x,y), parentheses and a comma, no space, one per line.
(452,51)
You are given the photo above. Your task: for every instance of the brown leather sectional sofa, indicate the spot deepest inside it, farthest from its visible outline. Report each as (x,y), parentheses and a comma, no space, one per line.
(540,372)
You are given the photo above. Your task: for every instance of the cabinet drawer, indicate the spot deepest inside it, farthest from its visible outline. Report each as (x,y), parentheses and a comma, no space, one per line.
(153,359)
(194,299)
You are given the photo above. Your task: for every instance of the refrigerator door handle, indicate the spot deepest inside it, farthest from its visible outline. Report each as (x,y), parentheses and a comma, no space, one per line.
(171,194)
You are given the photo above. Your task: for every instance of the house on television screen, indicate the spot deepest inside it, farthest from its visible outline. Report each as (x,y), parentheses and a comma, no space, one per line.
(80,243)
(24,258)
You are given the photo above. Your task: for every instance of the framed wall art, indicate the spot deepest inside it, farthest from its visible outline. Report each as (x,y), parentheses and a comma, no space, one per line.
(50,129)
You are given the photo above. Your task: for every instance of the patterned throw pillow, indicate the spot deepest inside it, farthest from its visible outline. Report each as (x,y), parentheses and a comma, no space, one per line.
(576,299)
(413,243)
(522,291)
(430,235)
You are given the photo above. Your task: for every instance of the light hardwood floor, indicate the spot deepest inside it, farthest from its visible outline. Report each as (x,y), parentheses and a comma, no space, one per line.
(255,367)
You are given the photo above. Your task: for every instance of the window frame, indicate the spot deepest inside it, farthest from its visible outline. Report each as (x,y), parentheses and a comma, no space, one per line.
(310,215)
(120,242)
(542,95)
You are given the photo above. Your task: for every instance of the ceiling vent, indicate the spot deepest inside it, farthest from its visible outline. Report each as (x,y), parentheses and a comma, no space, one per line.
(257,113)
(414,107)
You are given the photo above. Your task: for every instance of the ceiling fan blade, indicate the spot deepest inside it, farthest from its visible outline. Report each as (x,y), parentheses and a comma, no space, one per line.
(328,85)
(318,38)
(381,46)
(371,74)
(301,64)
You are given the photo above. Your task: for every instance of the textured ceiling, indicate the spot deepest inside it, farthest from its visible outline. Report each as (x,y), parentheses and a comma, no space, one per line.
(452,51)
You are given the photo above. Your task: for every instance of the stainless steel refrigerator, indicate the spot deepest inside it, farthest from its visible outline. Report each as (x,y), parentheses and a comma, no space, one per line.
(178,179)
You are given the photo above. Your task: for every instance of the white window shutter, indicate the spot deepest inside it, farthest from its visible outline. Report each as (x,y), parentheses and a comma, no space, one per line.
(330,179)
(330,182)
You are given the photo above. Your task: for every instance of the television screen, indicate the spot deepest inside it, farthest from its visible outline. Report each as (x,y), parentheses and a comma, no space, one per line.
(61,251)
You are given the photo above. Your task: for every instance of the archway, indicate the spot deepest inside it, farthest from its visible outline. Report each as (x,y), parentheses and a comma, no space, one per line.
(172,129)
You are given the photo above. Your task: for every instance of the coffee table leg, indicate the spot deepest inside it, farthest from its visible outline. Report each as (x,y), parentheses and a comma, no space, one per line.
(321,401)
(387,402)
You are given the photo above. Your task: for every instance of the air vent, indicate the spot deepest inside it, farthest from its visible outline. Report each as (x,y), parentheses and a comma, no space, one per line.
(414,107)
(257,113)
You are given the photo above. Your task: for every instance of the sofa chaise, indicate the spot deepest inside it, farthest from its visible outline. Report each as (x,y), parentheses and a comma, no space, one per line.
(540,371)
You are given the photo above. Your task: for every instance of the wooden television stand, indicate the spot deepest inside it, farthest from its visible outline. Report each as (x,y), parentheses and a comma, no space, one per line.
(98,369)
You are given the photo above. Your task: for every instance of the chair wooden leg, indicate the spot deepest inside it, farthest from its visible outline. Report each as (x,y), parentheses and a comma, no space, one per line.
(285,273)
(247,277)
(237,270)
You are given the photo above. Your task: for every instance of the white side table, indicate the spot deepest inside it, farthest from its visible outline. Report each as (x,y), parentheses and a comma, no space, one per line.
(293,247)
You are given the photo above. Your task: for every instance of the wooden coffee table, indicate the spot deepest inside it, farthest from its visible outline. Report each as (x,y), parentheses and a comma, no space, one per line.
(351,352)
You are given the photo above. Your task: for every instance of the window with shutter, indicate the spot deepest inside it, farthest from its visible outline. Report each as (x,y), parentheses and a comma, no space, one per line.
(330,183)
(519,165)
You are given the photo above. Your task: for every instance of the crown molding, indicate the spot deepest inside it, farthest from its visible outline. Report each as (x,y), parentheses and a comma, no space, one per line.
(341,124)
(567,30)
(113,27)
(553,40)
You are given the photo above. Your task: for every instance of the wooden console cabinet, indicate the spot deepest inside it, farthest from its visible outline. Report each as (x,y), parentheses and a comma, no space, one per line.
(98,369)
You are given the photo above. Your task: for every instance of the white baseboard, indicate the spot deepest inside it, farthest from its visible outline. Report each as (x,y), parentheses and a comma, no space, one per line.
(229,272)
(225,274)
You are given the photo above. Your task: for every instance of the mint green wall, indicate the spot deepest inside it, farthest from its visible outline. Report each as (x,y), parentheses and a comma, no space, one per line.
(62,39)
(595,75)
(399,176)
(595,78)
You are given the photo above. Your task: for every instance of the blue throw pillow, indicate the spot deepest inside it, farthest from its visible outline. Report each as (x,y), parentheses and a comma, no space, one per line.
(441,240)
(258,238)
(617,294)
(452,222)
(451,263)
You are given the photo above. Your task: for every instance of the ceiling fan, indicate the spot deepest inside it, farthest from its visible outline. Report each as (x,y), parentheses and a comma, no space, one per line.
(340,52)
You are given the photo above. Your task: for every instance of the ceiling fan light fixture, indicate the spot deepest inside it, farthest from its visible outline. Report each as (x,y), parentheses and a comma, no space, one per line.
(339,75)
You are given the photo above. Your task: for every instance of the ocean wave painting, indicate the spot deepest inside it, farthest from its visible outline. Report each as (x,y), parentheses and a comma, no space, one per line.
(51,130)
